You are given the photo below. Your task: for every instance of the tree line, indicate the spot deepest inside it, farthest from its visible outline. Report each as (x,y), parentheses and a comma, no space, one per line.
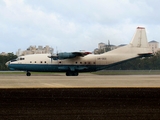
(148,63)
(4,59)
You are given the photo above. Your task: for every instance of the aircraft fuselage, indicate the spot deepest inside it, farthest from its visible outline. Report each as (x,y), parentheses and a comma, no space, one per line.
(74,62)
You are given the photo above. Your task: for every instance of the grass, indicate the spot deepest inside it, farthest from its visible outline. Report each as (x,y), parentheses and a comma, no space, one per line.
(128,72)
(103,72)
(24,73)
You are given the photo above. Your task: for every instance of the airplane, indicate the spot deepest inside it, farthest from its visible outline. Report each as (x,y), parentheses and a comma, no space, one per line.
(72,63)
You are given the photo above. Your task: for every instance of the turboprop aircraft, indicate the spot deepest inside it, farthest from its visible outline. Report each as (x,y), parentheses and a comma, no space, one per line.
(74,62)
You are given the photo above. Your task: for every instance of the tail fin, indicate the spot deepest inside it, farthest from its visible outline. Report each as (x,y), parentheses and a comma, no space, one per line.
(140,38)
(138,46)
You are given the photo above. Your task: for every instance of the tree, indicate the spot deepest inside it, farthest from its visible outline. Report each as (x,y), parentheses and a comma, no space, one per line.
(4,59)
(147,63)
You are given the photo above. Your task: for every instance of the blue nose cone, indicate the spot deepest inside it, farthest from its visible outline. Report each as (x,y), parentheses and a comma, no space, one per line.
(9,65)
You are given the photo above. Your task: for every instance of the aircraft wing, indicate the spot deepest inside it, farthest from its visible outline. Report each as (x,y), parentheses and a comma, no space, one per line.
(82,54)
(68,55)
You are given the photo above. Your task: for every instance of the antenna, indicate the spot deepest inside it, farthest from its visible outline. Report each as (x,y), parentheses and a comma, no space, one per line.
(56,51)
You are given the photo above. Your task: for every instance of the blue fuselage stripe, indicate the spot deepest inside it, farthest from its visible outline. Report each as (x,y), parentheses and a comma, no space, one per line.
(54,68)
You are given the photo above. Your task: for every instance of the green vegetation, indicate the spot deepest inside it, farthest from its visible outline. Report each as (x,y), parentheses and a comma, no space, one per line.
(148,63)
(128,72)
(23,73)
(4,59)
(103,72)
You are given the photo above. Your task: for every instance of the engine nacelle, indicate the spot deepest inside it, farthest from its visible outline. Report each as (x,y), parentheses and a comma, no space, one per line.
(68,55)
(65,55)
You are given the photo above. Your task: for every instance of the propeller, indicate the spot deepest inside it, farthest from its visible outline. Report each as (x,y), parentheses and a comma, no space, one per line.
(53,56)
(51,52)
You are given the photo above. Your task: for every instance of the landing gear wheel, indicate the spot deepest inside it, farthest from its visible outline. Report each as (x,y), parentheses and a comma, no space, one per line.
(69,73)
(28,74)
(75,74)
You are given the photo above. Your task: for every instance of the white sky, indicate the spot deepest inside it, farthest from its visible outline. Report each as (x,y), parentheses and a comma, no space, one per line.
(73,25)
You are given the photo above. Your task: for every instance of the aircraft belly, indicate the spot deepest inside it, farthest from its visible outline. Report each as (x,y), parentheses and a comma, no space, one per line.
(79,68)
(32,67)
(53,67)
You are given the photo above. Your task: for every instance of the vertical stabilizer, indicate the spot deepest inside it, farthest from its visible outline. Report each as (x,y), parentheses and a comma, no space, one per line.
(140,38)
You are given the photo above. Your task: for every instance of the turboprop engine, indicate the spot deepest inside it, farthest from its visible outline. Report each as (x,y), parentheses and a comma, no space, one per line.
(63,55)
(68,55)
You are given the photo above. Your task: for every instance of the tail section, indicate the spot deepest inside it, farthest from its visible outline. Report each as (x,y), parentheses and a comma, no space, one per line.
(140,39)
(138,45)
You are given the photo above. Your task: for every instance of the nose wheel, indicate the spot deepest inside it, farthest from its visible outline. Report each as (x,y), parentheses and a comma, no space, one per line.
(28,74)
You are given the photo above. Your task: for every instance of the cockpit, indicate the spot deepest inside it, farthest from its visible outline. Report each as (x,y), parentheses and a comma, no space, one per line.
(14,60)
(17,59)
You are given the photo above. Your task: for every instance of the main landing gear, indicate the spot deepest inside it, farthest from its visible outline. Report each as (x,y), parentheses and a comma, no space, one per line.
(70,73)
(28,74)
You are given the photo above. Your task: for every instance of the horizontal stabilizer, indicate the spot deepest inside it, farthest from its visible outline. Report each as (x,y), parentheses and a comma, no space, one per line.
(146,55)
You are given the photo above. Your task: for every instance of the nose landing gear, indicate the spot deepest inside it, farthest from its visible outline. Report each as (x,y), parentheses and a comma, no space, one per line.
(28,74)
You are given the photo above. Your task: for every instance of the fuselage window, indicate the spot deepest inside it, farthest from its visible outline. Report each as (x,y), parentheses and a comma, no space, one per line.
(88,62)
(41,62)
(84,62)
(30,61)
(94,62)
(76,62)
(45,62)
(35,61)
(80,62)
(60,62)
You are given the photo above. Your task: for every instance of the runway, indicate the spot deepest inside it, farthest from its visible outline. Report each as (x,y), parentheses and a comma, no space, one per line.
(82,81)
(87,97)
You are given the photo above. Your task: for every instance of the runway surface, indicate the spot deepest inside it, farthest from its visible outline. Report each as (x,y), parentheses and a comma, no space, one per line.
(86,97)
(82,81)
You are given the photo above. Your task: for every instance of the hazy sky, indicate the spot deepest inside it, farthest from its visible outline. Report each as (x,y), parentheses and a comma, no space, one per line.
(73,25)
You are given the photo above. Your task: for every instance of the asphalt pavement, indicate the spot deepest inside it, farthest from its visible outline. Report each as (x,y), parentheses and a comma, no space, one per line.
(86,97)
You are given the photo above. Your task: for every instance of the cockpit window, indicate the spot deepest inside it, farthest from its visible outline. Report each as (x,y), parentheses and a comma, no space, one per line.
(13,60)
(17,59)
(21,58)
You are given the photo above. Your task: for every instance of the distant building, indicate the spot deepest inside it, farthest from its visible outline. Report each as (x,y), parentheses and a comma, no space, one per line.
(3,53)
(154,45)
(101,45)
(96,51)
(34,50)
(102,48)
(112,47)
